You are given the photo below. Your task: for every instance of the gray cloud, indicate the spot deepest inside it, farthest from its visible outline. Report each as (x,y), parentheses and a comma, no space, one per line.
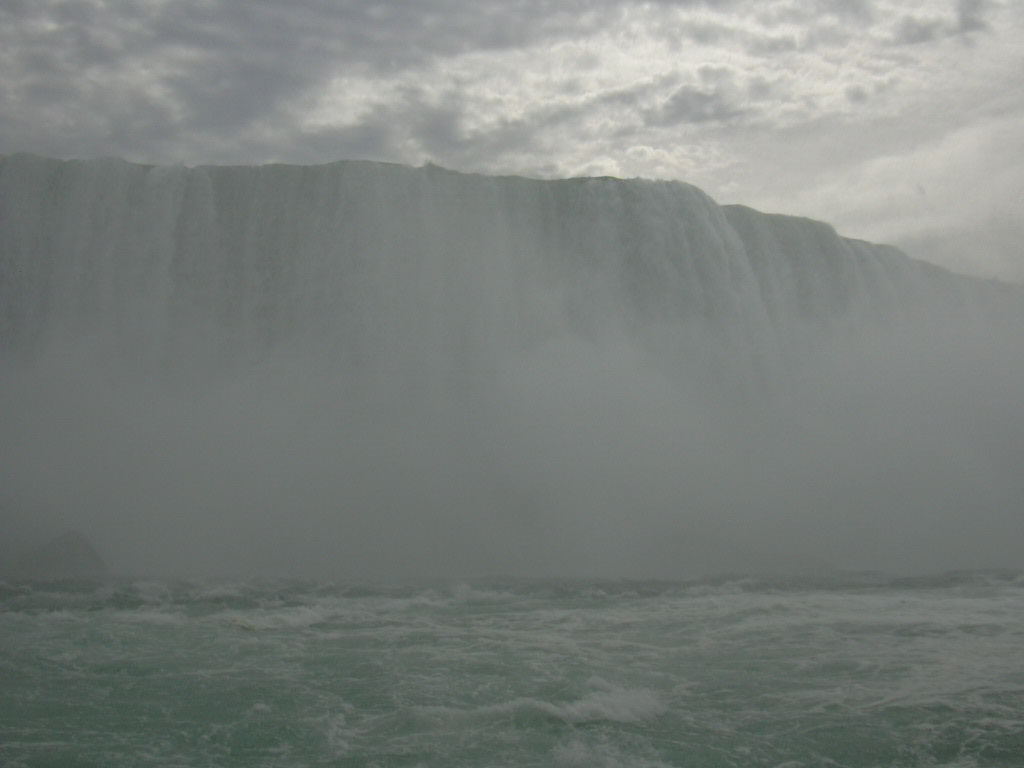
(208,74)
(851,9)
(771,45)
(856,94)
(971,15)
(697,104)
(912,30)
(228,81)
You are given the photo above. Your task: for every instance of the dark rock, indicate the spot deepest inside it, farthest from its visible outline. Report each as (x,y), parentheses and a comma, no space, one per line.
(67,557)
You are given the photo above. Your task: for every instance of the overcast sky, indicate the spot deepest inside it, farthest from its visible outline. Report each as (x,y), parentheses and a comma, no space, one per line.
(896,120)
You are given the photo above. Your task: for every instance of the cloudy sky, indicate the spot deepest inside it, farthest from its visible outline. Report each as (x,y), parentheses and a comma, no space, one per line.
(896,120)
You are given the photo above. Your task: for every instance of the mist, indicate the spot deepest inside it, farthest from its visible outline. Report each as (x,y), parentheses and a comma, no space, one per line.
(365,371)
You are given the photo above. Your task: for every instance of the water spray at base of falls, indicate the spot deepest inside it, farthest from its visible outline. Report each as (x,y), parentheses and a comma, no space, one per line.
(370,370)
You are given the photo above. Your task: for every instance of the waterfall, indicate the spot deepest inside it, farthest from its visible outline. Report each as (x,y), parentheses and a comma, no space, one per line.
(370,365)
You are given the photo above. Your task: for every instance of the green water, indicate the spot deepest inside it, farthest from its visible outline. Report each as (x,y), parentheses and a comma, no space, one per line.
(725,672)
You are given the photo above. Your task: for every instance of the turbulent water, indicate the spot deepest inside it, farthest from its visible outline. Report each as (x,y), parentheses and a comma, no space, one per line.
(843,672)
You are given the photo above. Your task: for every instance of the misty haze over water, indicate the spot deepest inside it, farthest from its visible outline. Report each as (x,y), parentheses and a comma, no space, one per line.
(370,371)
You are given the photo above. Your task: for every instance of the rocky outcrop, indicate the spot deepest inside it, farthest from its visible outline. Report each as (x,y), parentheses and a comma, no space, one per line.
(66,557)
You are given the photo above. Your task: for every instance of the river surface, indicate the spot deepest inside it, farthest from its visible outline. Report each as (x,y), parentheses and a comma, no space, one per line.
(838,671)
